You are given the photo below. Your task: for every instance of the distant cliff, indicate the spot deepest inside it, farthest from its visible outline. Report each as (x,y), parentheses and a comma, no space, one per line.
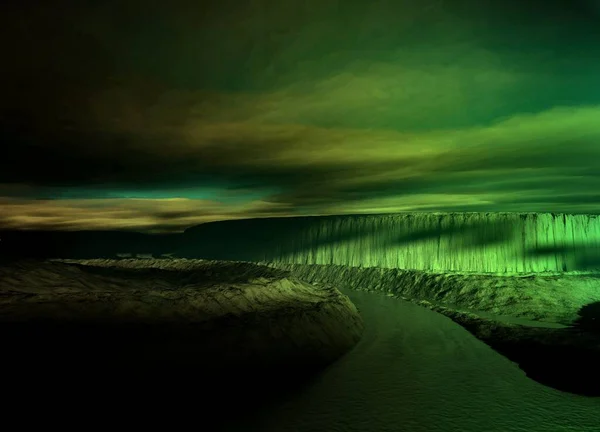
(479,242)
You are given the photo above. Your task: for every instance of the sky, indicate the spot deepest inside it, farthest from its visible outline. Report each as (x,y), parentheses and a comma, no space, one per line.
(156,116)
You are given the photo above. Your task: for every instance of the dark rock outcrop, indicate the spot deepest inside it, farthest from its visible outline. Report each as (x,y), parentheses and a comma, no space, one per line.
(226,329)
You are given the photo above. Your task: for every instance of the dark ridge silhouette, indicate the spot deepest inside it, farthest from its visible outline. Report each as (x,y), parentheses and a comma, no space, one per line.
(567,367)
(589,318)
(21,244)
(84,336)
(565,359)
(86,359)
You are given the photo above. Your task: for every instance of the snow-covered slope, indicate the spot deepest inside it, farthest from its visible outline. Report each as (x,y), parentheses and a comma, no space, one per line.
(474,242)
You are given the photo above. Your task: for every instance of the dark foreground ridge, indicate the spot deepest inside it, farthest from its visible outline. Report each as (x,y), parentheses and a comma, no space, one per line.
(229,334)
(565,359)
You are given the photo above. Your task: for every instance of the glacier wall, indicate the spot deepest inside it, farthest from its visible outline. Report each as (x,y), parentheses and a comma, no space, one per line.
(471,242)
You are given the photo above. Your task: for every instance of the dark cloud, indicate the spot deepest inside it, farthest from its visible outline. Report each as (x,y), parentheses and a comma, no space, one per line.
(258,108)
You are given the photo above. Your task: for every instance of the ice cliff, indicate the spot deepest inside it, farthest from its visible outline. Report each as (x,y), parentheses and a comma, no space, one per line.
(472,242)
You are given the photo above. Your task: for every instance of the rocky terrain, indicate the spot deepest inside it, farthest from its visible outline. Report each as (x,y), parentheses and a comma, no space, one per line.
(223,327)
(548,324)
(545,298)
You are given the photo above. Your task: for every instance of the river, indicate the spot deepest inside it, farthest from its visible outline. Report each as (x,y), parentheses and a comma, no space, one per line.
(415,370)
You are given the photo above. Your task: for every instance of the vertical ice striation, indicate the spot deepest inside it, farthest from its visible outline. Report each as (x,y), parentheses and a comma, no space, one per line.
(478,242)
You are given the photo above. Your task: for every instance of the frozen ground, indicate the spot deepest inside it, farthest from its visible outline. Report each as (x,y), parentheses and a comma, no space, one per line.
(416,370)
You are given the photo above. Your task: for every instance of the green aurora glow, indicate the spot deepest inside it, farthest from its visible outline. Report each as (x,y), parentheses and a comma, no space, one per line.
(158,116)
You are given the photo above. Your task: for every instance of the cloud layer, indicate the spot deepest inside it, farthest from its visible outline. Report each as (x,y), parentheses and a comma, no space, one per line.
(189,119)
